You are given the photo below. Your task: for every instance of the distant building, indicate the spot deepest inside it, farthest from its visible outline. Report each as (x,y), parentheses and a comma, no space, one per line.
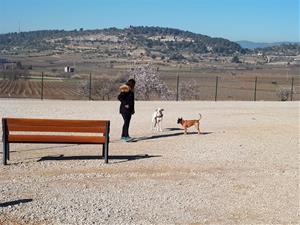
(259,54)
(69,69)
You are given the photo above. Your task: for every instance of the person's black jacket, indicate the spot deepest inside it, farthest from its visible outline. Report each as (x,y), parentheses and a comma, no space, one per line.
(126,97)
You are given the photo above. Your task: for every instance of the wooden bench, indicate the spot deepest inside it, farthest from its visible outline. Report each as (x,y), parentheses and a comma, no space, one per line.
(99,128)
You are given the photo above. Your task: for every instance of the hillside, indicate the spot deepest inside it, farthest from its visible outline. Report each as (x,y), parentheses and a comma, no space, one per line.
(132,42)
(253,45)
(281,50)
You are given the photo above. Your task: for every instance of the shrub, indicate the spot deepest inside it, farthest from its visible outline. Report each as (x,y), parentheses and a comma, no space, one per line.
(235,59)
(188,90)
(284,93)
(101,88)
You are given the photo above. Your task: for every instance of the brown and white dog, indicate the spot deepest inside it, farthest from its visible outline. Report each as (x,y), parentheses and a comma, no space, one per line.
(188,123)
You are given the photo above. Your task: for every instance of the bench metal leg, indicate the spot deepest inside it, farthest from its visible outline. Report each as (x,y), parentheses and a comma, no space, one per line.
(8,153)
(106,152)
(103,150)
(4,152)
(5,140)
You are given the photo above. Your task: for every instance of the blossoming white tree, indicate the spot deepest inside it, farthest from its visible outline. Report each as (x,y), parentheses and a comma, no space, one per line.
(149,83)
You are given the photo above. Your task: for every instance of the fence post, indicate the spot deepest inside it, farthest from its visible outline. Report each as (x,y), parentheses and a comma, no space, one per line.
(292,89)
(42,87)
(255,88)
(177,88)
(90,87)
(216,91)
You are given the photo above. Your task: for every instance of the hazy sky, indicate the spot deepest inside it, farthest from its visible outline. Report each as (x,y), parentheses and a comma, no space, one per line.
(254,20)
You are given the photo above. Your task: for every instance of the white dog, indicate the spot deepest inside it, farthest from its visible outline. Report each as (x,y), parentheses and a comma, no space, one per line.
(157,118)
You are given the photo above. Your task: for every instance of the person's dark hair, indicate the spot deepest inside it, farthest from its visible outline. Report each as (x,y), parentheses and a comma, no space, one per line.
(131,83)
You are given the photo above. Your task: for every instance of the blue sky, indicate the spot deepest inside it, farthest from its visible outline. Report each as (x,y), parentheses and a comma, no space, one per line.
(254,20)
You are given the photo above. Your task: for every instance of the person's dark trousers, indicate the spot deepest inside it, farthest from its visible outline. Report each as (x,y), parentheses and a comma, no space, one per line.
(126,118)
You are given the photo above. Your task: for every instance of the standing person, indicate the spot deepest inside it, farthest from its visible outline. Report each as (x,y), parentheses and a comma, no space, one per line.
(126,97)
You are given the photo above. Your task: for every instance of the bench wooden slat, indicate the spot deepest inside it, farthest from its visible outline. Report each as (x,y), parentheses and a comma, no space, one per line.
(13,127)
(56,139)
(56,122)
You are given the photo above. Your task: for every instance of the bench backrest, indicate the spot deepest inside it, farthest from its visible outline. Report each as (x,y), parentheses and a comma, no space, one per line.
(99,128)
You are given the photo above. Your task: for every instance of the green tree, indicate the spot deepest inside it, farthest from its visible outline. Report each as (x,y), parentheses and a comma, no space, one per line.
(235,59)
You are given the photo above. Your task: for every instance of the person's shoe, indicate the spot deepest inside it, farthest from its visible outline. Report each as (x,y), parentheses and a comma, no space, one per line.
(127,138)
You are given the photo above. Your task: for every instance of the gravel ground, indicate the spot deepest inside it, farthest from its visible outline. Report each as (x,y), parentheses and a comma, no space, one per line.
(244,169)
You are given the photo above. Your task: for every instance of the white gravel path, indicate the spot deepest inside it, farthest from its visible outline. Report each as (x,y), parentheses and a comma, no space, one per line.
(243,170)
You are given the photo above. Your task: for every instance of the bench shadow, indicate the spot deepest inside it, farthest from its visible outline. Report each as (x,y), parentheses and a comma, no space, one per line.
(16,202)
(125,158)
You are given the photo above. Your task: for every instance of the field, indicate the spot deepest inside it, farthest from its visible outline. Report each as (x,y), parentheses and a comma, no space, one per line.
(235,81)
(243,169)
